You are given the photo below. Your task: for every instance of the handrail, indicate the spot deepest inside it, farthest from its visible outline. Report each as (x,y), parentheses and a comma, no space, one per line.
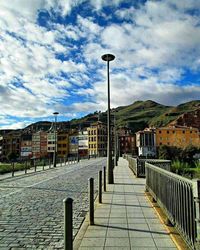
(175,195)
(137,165)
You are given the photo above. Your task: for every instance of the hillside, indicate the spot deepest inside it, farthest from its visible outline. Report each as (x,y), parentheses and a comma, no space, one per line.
(137,116)
(141,114)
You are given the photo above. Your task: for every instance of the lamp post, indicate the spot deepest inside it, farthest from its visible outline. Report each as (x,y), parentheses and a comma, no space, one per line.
(55,140)
(108,58)
(115,138)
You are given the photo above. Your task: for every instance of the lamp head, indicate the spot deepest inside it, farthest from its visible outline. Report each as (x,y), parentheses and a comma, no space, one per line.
(108,57)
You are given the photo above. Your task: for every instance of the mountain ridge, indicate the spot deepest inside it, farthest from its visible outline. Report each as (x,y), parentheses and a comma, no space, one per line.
(137,116)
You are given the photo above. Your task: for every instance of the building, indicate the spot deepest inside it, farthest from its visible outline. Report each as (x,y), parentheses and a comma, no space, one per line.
(73,144)
(26,146)
(127,141)
(189,119)
(39,144)
(83,143)
(51,137)
(178,136)
(11,144)
(62,143)
(146,142)
(97,139)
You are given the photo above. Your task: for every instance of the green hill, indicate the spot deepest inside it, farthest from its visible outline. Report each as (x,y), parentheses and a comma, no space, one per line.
(137,116)
(141,114)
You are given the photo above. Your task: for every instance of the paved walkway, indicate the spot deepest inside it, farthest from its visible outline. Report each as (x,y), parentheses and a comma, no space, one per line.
(125,219)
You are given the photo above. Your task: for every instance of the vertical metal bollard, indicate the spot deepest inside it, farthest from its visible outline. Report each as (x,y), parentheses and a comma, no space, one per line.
(100,186)
(61,162)
(49,163)
(35,165)
(25,170)
(43,164)
(68,224)
(104,179)
(13,169)
(91,201)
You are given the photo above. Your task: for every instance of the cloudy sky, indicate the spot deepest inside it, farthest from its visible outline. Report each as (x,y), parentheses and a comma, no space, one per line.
(50,56)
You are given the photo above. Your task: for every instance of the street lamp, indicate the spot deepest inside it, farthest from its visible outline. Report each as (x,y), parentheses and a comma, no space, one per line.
(55,140)
(108,58)
(115,139)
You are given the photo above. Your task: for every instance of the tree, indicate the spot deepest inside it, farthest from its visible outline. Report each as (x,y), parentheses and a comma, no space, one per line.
(12,156)
(188,153)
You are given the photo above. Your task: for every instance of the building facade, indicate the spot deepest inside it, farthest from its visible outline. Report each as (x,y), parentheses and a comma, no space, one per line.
(83,143)
(26,146)
(62,143)
(39,144)
(11,144)
(73,145)
(178,136)
(146,142)
(97,139)
(127,141)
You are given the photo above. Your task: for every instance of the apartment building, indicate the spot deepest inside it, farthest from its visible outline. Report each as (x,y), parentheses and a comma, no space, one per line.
(178,136)
(11,143)
(97,139)
(26,146)
(63,143)
(127,141)
(146,142)
(39,144)
(73,144)
(83,143)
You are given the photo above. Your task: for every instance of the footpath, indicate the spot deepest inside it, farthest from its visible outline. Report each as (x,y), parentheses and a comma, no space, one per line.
(125,219)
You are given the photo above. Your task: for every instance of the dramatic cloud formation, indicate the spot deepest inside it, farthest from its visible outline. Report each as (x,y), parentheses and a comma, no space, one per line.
(50,55)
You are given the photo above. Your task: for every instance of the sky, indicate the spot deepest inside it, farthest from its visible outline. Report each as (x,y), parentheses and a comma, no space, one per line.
(50,56)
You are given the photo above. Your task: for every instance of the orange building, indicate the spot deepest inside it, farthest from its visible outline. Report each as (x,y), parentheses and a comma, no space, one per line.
(178,136)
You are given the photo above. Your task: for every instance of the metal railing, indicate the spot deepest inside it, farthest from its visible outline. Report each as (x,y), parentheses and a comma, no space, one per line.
(179,198)
(137,165)
(36,165)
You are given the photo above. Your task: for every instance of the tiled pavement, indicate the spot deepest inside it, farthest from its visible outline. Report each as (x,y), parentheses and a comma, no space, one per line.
(125,219)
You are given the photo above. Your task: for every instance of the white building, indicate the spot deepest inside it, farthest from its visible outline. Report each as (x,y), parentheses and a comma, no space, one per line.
(146,142)
(83,143)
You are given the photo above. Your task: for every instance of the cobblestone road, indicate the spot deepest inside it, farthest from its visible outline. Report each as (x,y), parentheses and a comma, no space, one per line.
(31,207)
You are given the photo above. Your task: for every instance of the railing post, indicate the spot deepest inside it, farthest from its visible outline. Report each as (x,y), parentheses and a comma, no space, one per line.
(61,162)
(43,164)
(91,201)
(35,166)
(13,169)
(100,186)
(25,167)
(68,224)
(65,160)
(104,179)
(197,207)
(49,163)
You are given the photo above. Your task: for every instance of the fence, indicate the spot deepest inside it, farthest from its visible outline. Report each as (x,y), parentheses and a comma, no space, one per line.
(137,165)
(33,165)
(179,198)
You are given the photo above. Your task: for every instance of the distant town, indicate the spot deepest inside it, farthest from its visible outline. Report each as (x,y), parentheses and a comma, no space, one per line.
(40,141)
